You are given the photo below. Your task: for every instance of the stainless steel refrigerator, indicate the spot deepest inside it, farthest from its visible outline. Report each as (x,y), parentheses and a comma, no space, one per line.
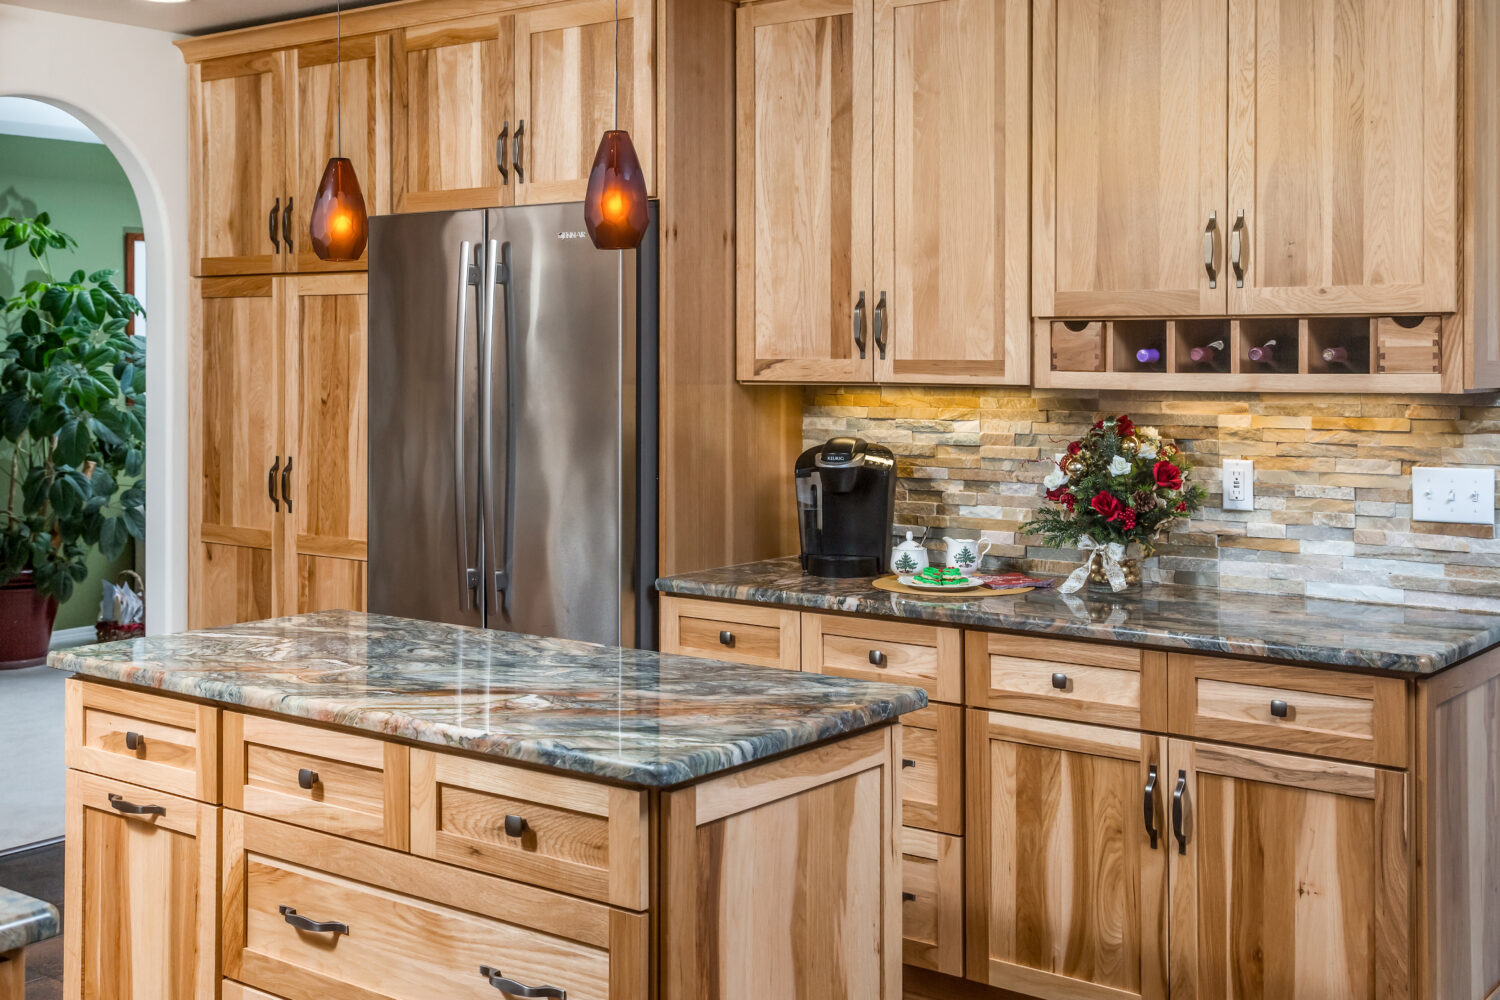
(513,424)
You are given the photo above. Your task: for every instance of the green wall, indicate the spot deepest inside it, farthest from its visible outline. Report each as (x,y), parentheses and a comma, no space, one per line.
(83,188)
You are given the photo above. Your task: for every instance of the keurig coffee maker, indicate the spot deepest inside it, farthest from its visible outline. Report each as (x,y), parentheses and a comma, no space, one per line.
(846,504)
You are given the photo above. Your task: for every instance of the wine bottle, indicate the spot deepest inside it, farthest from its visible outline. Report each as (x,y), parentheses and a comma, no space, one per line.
(1336,356)
(1205,355)
(1148,355)
(1265,354)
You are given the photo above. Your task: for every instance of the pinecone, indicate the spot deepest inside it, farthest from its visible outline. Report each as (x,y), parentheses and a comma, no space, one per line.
(1143,500)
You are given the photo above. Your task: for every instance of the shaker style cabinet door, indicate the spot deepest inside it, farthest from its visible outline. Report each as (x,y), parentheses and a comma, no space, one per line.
(326,405)
(1128,181)
(952,92)
(1343,156)
(234,491)
(565,93)
(313,133)
(1288,876)
(803,220)
(239,196)
(1067,864)
(452,115)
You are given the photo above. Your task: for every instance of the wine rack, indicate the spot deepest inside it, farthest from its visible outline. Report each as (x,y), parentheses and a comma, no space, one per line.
(1262,353)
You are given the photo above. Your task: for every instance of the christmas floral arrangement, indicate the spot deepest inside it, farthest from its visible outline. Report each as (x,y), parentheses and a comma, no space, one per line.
(1116,487)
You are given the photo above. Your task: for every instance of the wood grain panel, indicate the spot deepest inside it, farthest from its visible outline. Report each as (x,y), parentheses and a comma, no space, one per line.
(451,94)
(1479,281)
(1114,685)
(1287,888)
(870,649)
(932,769)
(177,741)
(331,584)
(1066,895)
(951,111)
(13,974)
(140,894)
(1343,154)
(932,908)
(758,636)
(804,225)
(1128,148)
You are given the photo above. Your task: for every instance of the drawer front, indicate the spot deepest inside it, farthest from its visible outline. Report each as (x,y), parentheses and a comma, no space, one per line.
(932,770)
(1325,713)
(1075,681)
(932,901)
(354,786)
(734,633)
(867,649)
(413,929)
(579,837)
(163,743)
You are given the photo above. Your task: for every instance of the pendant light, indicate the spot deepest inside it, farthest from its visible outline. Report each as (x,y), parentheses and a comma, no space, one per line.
(339,226)
(614,209)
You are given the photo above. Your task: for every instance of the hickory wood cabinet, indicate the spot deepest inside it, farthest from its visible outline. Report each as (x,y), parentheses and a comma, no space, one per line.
(881,227)
(277,506)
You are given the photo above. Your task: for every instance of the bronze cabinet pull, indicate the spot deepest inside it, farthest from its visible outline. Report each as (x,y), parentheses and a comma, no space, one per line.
(271,484)
(907,762)
(877,658)
(307,778)
(908,897)
(119,804)
(286,225)
(1236,249)
(286,484)
(1060,681)
(134,741)
(726,638)
(880,326)
(515,826)
(271,224)
(514,989)
(1150,802)
(1177,796)
(1279,708)
(501,141)
(859,324)
(516,162)
(302,923)
(1210,248)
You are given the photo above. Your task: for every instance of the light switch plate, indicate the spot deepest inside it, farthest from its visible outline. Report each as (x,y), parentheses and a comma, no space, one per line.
(1455,496)
(1239,484)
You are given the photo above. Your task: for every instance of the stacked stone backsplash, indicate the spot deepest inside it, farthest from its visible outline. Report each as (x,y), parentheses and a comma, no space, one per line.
(1332,511)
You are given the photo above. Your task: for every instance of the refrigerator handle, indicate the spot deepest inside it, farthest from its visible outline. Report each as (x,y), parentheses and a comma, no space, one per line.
(468,575)
(497,270)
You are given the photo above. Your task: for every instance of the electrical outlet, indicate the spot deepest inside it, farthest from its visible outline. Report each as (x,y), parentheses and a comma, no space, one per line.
(1239,484)
(1456,496)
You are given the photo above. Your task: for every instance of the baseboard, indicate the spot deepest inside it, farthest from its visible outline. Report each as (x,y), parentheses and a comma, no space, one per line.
(66,638)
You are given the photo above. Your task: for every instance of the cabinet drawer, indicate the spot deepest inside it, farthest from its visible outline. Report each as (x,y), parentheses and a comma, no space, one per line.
(163,743)
(580,837)
(932,901)
(416,929)
(354,786)
(735,633)
(1076,681)
(925,656)
(1325,713)
(932,770)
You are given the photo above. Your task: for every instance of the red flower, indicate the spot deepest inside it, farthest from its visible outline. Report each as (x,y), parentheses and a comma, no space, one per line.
(1107,506)
(1167,475)
(1099,426)
(1128,518)
(1075,447)
(1056,495)
(1124,426)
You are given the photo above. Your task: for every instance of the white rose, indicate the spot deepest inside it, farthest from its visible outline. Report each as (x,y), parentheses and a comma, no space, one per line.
(1054,479)
(1147,450)
(1119,465)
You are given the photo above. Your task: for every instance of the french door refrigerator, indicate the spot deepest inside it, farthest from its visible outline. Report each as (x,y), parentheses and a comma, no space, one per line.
(512,380)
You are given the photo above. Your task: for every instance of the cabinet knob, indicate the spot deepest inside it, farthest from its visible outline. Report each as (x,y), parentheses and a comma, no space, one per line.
(726,638)
(515,826)
(306,778)
(877,658)
(134,741)
(908,897)
(1279,708)
(908,762)
(1060,681)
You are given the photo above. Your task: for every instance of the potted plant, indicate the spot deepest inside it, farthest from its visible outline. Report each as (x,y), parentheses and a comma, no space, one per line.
(72,433)
(1112,492)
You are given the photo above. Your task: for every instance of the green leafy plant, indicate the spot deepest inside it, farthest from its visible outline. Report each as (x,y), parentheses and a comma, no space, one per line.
(72,416)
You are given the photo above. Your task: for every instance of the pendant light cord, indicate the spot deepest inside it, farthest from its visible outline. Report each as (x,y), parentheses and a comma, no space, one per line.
(339,68)
(617,64)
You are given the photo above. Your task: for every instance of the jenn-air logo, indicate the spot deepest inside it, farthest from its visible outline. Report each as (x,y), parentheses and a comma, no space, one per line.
(572,236)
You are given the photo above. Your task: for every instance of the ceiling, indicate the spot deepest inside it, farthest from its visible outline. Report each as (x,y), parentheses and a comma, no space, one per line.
(195,17)
(19,116)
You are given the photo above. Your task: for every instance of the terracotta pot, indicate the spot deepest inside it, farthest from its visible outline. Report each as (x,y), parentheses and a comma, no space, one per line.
(25,623)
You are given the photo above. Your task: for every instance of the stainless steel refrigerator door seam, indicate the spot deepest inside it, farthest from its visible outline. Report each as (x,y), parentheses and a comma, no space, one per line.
(468,576)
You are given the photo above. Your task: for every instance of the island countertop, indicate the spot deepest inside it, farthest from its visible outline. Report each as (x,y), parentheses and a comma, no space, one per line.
(1351,635)
(631,716)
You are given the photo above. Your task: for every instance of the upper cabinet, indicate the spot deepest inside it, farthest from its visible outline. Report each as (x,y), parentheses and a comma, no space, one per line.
(881,220)
(1343,156)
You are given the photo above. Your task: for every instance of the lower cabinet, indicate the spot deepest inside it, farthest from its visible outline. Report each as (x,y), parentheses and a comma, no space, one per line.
(1288,877)
(141,890)
(932,901)
(1067,869)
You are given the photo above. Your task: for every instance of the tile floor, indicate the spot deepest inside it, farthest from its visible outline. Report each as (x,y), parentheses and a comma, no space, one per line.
(39,872)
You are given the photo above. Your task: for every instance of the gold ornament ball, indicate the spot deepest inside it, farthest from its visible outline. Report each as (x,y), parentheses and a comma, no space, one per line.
(1168,450)
(1130,567)
(1129,446)
(1075,467)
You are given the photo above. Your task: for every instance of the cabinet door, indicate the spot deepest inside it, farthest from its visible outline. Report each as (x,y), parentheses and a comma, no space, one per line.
(451,115)
(952,92)
(1067,891)
(326,407)
(1292,877)
(1343,155)
(1128,157)
(313,132)
(140,892)
(803,229)
(235,447)
(565,93)
(239,181)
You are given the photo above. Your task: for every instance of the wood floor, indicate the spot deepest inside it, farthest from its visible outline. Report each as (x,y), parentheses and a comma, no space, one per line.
(39,872)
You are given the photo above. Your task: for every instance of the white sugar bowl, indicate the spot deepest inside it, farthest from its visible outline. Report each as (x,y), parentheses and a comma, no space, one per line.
(909,557)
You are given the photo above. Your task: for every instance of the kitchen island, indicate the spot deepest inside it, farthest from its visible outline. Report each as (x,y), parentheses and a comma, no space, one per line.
(355,806)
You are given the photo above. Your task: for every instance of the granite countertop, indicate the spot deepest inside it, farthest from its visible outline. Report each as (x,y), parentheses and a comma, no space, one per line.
(631,716)
(1414,641)
(25,921)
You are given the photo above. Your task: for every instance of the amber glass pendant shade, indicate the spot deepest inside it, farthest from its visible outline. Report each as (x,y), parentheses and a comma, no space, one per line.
(614,209)
(340,228)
